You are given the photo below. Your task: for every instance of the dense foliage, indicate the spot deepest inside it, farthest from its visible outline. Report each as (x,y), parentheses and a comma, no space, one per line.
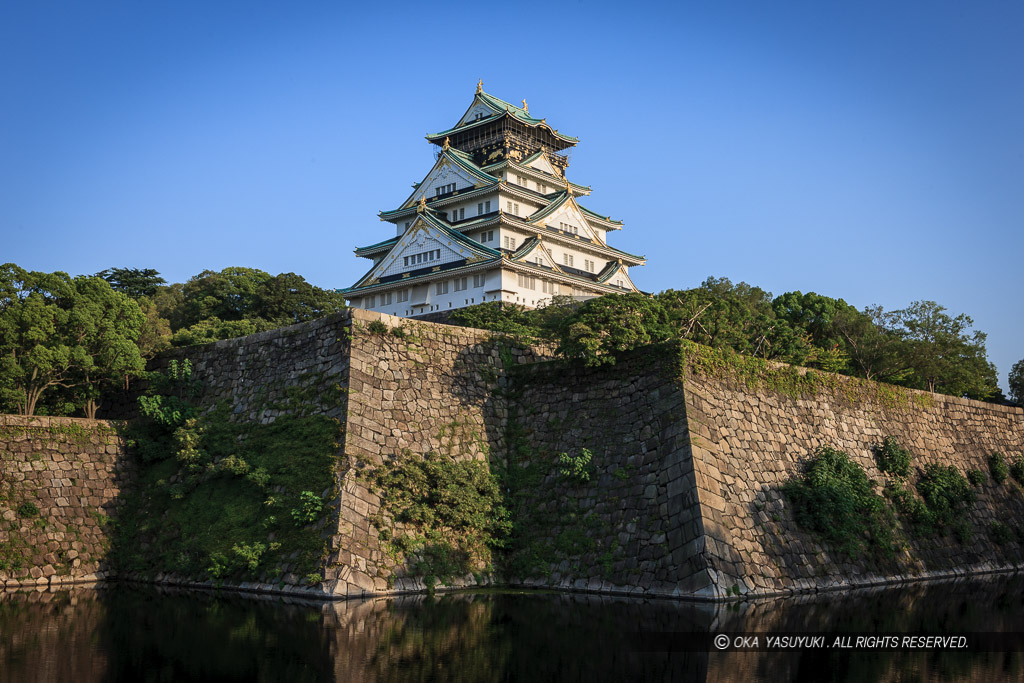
(920,347)
(892,457)
(66,342)
(63,340)
(835,498)
(218,499)
(443,516)
(1016,382)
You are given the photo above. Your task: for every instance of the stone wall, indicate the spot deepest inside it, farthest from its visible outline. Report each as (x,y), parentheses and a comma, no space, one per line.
(59,485)
(687,467)
(395,386)
(413,387)
(625,525)
(746,443)
(657,475)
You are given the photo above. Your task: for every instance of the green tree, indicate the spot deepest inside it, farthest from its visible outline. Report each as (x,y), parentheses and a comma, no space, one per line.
(287,299)
(739,317)
(104,327)
(608,325)
(237,301)
(872,343)
(134,282)
(943,353)
(59,332)
(497,317)
(155,334)
(230,294)
(34,350)
(812,318)
(1016,381)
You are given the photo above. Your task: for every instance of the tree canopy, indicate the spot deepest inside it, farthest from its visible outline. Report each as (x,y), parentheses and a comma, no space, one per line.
(921,346)
(134,282)
(58,332)
(1016,382)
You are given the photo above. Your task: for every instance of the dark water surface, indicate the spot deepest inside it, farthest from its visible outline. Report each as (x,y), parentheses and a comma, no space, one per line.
(124,632)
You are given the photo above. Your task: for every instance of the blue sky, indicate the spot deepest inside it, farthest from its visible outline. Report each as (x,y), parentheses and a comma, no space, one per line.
(872,151)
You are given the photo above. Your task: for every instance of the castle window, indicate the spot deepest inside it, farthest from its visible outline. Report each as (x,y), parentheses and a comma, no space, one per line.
(460,284)
(462,214)
(478,280)
(441,288)
(385,299)
(403,295)
(508,206)
(588,265)
(510,242)
(567,259)
(527,282)
(371,301)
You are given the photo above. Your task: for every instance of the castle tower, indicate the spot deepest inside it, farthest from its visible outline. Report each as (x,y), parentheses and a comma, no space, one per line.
(495,219)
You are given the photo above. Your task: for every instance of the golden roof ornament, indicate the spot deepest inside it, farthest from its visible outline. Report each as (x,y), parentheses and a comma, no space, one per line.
(422,206)
(568,187)
(525,108)
(480,86)
(447,143)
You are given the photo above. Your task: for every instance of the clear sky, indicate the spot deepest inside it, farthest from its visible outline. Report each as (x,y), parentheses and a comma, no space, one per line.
(872,151)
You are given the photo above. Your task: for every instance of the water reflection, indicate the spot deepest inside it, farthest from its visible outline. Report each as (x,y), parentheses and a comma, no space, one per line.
(131,633)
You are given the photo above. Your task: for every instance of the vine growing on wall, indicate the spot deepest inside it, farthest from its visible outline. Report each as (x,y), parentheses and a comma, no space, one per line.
(225,499)
(442,517)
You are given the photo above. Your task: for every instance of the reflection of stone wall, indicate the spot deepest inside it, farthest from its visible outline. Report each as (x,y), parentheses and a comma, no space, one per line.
(59,481)
(51,636)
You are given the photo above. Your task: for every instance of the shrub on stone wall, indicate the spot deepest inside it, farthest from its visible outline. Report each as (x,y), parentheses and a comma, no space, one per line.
(835,499)
(222,499)
(892,457)
(1017,469)
(997,466)
(441,516)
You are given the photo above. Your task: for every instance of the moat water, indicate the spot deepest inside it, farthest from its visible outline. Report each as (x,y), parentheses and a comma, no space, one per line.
(123,632)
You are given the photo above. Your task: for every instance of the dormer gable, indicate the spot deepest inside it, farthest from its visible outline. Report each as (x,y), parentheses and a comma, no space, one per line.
(540,163)
(535,251)
(427,243)
(565,214)
(479,109)
(451,172)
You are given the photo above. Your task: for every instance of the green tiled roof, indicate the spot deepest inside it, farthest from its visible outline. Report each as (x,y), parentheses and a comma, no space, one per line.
(501,108)
(460,159)
(555,204)
(386,243)
(597,215)
(432,220)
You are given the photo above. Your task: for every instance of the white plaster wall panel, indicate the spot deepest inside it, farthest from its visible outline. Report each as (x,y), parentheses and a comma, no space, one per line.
(444,175)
